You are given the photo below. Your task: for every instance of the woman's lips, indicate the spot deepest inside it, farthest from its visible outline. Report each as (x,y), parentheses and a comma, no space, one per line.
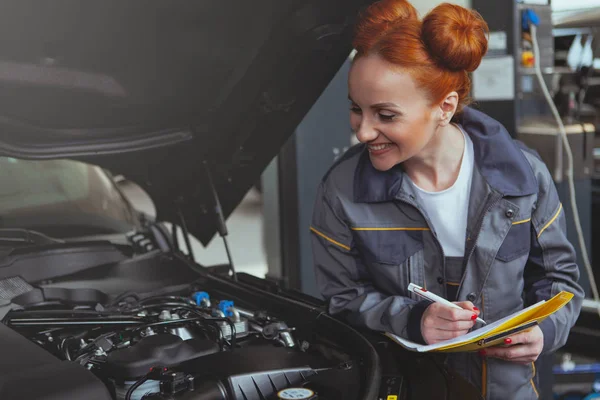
(379,148)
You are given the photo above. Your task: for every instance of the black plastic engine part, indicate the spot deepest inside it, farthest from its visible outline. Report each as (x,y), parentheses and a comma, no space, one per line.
(175,382)
(265,385)
(63,295)
(29,372)
(162,349)
(252,359)
(252,386)
(156,396)
(253,373)
(22,319)
(12,287)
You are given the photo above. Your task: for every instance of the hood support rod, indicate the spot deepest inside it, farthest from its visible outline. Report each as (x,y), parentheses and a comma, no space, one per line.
(188,245)
(221,224)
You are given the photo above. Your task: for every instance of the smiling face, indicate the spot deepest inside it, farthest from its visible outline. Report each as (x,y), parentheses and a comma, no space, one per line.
(389,113)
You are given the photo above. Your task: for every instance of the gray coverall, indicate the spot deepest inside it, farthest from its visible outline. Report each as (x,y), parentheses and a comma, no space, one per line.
(371,238)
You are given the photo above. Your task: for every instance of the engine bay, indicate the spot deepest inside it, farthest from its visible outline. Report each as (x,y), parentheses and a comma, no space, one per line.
(182,345)
(87,322)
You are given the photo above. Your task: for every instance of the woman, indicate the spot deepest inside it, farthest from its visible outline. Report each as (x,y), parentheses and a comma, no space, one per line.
(438,194)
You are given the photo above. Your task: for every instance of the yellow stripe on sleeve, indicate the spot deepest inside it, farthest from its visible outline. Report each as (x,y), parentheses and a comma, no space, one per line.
(390,229)
(533,384)
(484,378)
(329,239)
(522,221)
(551,221)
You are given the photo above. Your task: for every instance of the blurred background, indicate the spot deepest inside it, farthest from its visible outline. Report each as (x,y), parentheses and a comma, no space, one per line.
(543,84)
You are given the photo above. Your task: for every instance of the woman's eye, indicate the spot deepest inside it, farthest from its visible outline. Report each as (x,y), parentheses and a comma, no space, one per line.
(355,110)
(386,116)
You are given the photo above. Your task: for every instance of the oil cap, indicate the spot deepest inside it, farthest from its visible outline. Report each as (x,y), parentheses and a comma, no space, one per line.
(296,394)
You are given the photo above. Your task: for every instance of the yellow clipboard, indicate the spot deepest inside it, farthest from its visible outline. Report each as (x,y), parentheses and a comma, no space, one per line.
(494,333)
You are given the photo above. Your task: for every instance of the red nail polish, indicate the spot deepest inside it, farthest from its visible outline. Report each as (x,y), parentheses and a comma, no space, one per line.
(475,308)
(473,317)
(482,352)
(508,341)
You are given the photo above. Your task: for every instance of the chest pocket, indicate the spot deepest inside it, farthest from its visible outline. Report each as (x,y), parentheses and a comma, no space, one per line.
(391,246)
(517,242)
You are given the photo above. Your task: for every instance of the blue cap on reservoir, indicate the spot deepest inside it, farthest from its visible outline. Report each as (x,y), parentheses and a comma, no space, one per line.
(199,296)
(225,305)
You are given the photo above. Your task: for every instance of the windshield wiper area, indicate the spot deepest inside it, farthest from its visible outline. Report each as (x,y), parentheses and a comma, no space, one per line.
(25,237)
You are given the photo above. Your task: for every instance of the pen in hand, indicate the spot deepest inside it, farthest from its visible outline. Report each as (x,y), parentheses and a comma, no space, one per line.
(424,293)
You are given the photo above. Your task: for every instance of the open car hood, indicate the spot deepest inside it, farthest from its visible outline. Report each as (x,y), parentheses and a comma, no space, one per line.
(159,90)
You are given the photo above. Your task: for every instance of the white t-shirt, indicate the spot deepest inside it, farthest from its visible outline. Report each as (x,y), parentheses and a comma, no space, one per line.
(448,210)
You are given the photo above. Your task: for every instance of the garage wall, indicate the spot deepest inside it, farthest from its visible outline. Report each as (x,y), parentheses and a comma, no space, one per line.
(423,6)
(562,5)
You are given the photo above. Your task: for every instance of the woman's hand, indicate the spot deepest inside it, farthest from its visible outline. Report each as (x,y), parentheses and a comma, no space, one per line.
(522,348)
(440,322)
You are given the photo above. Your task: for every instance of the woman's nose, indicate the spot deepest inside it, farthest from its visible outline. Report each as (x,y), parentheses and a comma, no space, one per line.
(366,132)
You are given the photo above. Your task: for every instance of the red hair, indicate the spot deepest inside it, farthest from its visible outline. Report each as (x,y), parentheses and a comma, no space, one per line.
(438,51)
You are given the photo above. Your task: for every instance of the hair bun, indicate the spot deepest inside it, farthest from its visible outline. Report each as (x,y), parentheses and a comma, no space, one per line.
(391,11)
(455,37)
(379,18)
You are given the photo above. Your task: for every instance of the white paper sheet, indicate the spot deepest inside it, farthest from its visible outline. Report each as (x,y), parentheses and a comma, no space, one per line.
(421,348)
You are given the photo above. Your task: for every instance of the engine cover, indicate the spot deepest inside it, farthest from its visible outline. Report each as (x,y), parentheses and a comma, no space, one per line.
(157,350)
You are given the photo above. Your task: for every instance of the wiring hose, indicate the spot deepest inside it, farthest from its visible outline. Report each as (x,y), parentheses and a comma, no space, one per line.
(569,173)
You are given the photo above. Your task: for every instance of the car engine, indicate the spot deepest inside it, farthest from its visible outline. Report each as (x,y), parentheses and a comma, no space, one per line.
(183,346)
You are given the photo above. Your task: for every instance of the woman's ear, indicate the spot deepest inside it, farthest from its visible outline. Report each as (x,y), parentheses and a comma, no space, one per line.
(448,108)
